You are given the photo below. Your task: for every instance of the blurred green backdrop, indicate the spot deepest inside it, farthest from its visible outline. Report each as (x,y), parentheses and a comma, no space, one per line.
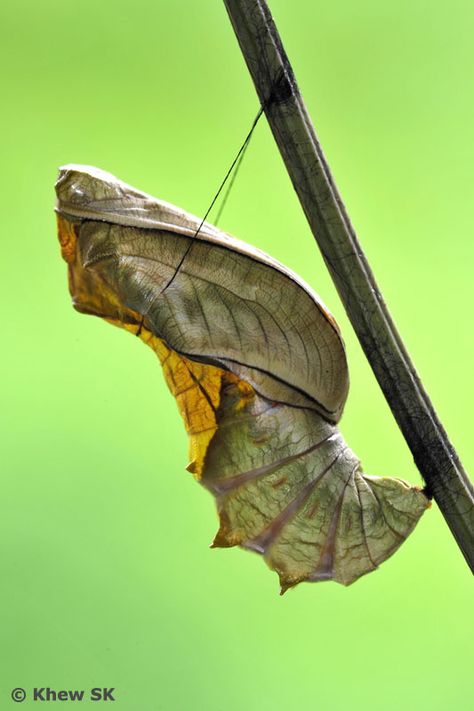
(107,579)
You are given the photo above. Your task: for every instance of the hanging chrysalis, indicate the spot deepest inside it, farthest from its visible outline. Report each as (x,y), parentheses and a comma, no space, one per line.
(258,368)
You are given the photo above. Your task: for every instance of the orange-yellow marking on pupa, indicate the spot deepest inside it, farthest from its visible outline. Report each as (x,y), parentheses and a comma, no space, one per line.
(196,388)
(67,238)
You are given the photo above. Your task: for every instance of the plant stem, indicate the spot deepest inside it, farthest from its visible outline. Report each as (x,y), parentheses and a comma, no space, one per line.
(293,131)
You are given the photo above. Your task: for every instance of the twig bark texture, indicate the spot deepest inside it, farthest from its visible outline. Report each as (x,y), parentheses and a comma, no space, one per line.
(291,125)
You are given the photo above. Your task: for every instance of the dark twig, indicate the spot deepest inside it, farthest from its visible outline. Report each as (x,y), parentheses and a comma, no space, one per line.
(291,125)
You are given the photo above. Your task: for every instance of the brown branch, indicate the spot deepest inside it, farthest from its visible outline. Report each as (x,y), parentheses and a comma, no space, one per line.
(293,131)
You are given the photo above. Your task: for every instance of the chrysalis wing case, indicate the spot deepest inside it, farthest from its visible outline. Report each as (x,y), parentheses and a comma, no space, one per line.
(257,366)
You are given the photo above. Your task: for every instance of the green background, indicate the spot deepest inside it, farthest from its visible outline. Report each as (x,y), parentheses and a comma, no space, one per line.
(106,574)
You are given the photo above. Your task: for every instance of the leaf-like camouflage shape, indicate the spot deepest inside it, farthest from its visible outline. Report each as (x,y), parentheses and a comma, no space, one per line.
(257,366)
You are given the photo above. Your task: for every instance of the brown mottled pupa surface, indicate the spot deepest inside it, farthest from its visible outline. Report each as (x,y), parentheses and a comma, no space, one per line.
(258,369)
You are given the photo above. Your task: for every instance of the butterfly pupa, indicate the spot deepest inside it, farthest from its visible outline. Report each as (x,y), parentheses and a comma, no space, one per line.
(257,365)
